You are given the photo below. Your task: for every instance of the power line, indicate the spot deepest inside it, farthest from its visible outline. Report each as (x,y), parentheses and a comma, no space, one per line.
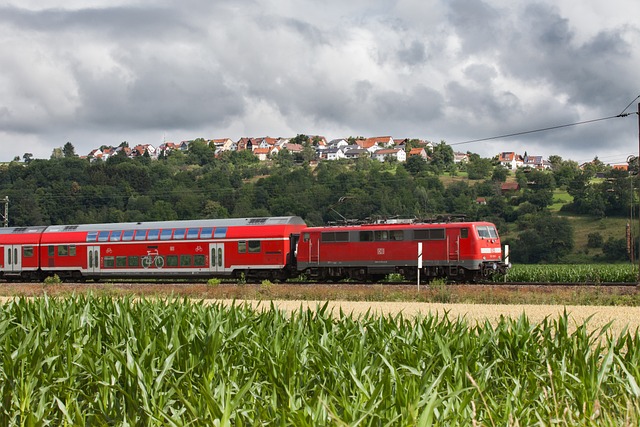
(542,129)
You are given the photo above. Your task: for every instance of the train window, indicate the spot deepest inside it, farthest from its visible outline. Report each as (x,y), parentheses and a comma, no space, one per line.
(305,237)
(396,235)
(134,261)
(172,260)
(127,235)
(185,260)
(381,235)
(92,236)
(153,234)
(140,235)
(242,246)
(109,262)
(166,234)
(51,250)
(27,251)
(338,236)
(436,234)
(103,236)
(464,233)
(63,250)
(429,234)
(342,236)
(179,233)
(328,237)
(192,233)
(206,233)
(72,250)
(115,236)
(254,246)
(487,232)
(221,233)
(199,261)
(121,261)
(366,236)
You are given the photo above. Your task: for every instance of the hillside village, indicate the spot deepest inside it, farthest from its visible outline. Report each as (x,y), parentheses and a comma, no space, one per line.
(381,148)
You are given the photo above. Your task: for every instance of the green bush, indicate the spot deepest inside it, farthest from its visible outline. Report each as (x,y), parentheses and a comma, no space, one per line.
(214,282)
(51,280)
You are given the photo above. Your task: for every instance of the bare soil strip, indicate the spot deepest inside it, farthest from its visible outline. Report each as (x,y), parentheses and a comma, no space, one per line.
(290,298)
(620,317)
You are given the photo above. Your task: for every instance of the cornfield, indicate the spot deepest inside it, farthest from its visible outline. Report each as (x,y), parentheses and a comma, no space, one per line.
(90,360)
(578,273)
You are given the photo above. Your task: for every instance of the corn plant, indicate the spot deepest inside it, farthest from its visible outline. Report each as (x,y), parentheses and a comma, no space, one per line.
(101,361)
(564,273)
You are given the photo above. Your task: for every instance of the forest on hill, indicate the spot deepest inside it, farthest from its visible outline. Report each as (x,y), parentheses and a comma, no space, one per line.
(198,184)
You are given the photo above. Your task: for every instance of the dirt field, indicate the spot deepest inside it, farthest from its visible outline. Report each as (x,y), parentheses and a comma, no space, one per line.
(619,316)
(357,300)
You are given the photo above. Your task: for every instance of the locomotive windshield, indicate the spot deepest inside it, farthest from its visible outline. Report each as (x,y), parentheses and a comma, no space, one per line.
(487,232)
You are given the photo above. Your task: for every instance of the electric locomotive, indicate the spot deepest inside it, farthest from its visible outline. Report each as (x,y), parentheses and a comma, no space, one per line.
(459,251)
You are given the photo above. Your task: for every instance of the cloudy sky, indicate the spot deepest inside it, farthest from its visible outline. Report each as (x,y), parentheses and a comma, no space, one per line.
(96,72)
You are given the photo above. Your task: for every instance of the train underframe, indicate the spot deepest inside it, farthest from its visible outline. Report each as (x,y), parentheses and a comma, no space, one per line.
(455,273)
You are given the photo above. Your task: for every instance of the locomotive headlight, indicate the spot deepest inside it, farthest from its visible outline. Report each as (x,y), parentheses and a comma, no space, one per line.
(495,266)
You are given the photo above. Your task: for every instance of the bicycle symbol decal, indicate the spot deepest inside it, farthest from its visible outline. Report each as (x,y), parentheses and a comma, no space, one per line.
(153,258)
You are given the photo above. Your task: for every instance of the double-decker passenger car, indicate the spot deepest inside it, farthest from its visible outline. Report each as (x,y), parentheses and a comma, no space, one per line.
(459,251)
(255,247)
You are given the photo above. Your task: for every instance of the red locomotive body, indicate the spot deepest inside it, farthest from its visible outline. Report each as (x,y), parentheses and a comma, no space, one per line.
(255,247)
(459,251)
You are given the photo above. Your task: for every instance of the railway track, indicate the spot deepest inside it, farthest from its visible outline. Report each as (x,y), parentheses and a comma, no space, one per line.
(345,285)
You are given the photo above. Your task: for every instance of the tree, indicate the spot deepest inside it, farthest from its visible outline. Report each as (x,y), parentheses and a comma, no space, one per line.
(500,174)
(594,240)
(615,249)
(68,150)
(442,156)
(479,168)
(300,139)
(548,240)
(57,153)
(563,171)
(27,157)
(415,164)
(200,153)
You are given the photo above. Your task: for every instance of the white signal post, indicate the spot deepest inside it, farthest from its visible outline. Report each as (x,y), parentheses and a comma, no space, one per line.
(506,259)
(419,263)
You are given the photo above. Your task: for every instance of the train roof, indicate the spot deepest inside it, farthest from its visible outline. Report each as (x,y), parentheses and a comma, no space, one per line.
(23,230)
(221,222)
(402,225)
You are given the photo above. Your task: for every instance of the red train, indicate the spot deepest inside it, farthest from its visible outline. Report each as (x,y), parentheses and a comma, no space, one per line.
(460,251)
(274,248)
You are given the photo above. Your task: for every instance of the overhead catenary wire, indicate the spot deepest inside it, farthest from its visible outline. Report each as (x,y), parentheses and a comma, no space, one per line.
(508,135)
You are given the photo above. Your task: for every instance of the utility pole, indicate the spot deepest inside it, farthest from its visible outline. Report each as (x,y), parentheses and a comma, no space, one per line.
(5,217)
(638,177)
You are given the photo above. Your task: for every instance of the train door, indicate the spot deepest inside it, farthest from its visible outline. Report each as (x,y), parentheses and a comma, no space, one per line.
(453,244)
(13,258)
(314,248)
(93,259)
(216,256)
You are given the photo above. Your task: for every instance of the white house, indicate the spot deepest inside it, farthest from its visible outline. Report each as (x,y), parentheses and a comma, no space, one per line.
(384,154)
